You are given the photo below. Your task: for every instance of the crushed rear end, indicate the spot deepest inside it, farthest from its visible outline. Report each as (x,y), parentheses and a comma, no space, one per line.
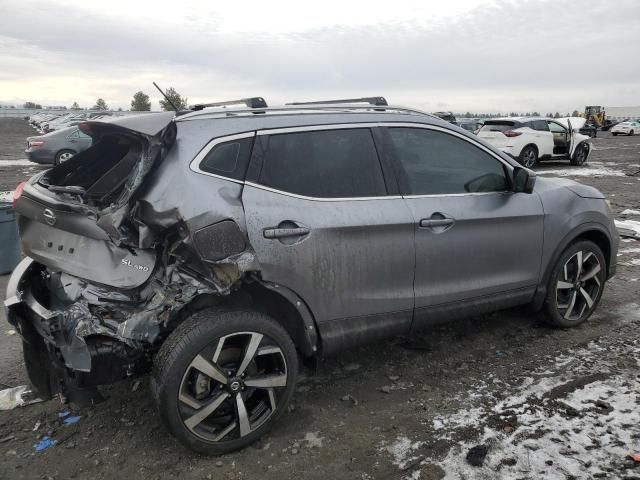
(105,278)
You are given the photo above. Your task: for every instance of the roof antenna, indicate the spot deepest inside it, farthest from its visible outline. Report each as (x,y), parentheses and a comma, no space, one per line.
(165,96)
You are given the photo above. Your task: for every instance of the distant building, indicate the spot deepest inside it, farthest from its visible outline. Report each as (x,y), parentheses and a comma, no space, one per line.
(623,113)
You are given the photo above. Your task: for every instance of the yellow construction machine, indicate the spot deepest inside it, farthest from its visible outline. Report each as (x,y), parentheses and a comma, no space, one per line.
(595,114)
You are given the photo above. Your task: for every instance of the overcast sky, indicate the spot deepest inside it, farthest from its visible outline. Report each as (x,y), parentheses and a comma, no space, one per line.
(459,55)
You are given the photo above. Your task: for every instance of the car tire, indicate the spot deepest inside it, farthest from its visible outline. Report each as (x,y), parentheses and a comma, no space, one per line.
(614,134)
(580,155)
(631,133)
(62,156)
(528,156)
(204,398)
(573,294)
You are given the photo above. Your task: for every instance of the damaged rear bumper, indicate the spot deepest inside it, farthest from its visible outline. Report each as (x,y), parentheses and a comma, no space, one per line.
(77,335)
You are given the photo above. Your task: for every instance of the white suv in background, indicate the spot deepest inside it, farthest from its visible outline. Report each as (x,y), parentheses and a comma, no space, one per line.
(530,139)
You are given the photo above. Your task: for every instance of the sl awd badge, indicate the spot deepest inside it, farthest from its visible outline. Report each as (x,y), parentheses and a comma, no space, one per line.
(49,216)
(129,263)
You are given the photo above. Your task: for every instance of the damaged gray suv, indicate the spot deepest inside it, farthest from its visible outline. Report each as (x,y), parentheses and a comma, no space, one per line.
(219,247)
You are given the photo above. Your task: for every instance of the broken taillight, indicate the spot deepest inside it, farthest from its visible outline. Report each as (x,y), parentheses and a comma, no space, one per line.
(511,133)
(17,193)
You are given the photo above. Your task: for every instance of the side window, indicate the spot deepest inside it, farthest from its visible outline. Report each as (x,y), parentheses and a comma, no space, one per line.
(74,134)
(83,135)
(556,127)
(436,163)
(228,159)
(540,125)
(324,163)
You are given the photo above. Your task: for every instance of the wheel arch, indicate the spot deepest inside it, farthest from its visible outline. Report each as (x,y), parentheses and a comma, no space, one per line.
(279,302)
(594,232)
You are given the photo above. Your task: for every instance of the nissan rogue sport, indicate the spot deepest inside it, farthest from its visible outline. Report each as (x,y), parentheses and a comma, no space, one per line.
(219,247)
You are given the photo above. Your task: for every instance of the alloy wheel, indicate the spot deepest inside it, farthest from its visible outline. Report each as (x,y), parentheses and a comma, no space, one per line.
(232,387)
(529,158)
(65,156)
(578,285)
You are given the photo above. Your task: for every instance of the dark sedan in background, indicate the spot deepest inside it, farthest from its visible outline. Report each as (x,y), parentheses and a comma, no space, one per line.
(58,146)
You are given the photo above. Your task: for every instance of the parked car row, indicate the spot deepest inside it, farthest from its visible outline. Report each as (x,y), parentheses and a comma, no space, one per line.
(48,122)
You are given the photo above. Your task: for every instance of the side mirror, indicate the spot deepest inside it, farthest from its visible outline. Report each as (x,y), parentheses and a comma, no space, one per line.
(523,180)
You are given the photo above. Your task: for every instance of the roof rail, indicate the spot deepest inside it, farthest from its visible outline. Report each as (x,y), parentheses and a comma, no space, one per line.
(252,102)
(377,101)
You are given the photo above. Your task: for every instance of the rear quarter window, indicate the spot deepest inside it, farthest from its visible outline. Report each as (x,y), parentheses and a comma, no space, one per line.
(228,159)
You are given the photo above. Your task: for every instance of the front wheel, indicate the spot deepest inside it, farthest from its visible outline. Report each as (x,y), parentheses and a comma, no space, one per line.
(528,157)
(631,133)
(222,378)
(580,156)
(576,284)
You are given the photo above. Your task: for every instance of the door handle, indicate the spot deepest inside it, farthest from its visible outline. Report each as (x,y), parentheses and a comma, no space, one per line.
(285,232)
(436,222)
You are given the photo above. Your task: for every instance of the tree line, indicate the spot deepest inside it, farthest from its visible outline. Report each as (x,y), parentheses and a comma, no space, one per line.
(139,103)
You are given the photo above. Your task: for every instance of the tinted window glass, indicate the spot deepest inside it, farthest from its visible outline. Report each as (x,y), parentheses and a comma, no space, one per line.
(437,163)
(229,158)
(328,163)
(540,125)
(499,126)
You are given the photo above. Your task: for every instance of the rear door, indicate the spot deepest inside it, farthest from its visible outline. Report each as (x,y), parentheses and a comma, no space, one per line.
(324,223)
(544,138)
(475,240)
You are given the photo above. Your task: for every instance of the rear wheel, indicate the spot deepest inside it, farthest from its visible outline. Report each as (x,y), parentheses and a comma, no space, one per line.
(576,285)
(222,378)
(528,156)
(580,155)
(63,155)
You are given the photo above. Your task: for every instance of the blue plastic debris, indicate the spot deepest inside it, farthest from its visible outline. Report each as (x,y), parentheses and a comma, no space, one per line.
(44,443)
(71,420)
(64,414)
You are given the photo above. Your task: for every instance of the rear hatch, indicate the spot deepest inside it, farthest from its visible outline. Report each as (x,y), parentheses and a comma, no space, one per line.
(493,131)
(76,217)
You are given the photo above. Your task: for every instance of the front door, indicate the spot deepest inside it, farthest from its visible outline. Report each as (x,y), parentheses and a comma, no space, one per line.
(322,223)
(476,241)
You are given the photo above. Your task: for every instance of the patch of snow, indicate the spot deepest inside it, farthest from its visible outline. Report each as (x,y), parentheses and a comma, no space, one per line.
(18,163)
(579,445)
(587,171)
(313,439)
(629,250)
(6,197)
(401,450)
(629,225)
(463,418)
(628,211)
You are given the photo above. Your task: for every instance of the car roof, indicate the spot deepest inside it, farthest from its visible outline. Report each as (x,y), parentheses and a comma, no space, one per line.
(522,119)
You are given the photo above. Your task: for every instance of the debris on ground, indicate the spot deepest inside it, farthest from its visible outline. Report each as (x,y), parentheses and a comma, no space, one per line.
(349,397)
(72,419)
(44,443)
(11,398)
(477,454)
(635,457)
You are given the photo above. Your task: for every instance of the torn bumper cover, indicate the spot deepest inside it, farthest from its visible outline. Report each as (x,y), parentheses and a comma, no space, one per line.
(70,327)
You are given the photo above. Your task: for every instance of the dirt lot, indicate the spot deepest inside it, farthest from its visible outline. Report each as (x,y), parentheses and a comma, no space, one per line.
(540,402)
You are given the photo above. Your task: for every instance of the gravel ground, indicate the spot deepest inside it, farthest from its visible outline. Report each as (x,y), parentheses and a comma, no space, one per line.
(524,400)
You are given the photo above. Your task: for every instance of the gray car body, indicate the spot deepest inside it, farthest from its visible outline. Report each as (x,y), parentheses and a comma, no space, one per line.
(366,270)
(70,139)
